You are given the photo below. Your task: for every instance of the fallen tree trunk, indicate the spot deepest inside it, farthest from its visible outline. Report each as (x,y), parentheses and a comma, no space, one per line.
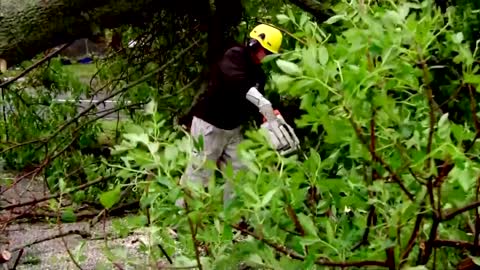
(30,29)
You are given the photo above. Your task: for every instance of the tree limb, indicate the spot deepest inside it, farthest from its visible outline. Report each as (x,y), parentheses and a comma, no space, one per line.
(34,66)
(453,213)
(81,187)
(453,243)
(83,234)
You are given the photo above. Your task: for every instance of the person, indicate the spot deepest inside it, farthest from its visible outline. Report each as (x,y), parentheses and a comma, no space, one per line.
(235,93)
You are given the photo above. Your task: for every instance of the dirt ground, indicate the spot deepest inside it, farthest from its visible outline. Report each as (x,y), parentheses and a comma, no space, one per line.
(52,254)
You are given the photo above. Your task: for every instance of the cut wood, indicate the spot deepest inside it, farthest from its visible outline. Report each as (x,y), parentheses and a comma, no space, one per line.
(5,256)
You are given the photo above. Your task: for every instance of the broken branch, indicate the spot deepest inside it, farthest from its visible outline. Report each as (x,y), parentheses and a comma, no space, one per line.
(83,234)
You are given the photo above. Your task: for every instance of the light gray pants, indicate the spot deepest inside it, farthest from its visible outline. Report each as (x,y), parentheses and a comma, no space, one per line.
(219,146)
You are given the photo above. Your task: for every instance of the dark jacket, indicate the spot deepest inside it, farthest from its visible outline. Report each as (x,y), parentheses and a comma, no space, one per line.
(224,103)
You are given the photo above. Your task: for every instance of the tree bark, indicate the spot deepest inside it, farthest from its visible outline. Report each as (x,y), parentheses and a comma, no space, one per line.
(318,9)
(28,30)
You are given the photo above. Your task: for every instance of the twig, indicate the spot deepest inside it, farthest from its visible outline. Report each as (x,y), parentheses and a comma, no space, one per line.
(431,238)
(117,265)
(32,173)
(453,244)
(473,108)
(38,215)
(81,187)
(374,155)
(286,251)
(420,181)
(453,96)
(83,234)
(453,213)
(390,263)
(368,180)
(34,66)
(293,216)
(165,253)
(194,238)
(476,242)
(415,232)
(19,145)
(20,253)
(5,114)
(59,224)
(432,117)
(370,219)
(472,143)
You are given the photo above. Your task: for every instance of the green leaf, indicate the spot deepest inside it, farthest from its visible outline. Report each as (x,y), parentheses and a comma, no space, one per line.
(335,19)
(251,193)
(68,215)
(307,224)
(110,198)
(283,82)
(282,18)
(457,38)
(256,259)
(268,197)
(289,67)
(136,138)
(136,221)
(471,78)
(322,55)
(419,267)
(329,231)
(270,58)
(465,176)
(171,152)
(476,260)
(444,126)
(150,108)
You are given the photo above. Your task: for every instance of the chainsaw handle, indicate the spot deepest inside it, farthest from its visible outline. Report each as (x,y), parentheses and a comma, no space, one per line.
(276,112)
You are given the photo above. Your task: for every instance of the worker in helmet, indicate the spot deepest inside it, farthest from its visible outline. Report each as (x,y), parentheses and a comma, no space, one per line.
(234,94)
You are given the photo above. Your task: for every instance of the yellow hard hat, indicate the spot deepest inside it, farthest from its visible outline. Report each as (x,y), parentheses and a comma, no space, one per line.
(269,37)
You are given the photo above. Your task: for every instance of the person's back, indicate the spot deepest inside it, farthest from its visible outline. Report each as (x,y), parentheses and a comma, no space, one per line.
(224,104)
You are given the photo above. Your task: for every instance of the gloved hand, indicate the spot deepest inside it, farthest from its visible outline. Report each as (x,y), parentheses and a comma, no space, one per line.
(282,135)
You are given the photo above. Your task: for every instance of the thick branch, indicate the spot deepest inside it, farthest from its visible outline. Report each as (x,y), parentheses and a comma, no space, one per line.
(314,7)
(453,213)
(452,243)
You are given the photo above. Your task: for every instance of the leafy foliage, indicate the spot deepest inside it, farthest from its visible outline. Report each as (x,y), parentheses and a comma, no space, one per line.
(388,172)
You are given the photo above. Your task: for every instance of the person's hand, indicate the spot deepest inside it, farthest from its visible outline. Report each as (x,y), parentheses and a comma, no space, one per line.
(282,135)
